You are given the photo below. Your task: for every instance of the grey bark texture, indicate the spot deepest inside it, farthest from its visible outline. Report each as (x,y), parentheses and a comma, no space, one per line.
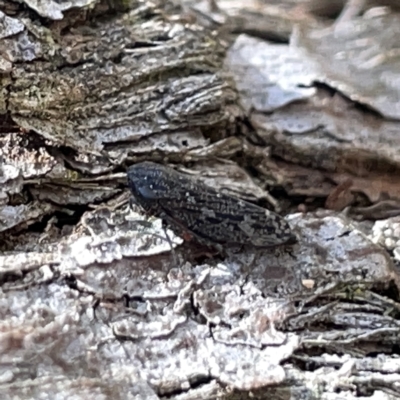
(93,303)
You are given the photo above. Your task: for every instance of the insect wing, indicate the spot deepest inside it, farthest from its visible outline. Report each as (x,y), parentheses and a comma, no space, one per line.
(216,217)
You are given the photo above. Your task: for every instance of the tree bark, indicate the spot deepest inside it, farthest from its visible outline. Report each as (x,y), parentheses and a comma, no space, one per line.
(93,305)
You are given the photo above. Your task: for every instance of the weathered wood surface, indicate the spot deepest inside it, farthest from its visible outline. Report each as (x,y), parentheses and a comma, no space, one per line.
(93,305)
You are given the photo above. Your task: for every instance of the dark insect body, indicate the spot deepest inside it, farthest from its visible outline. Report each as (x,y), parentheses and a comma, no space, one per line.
(194,210)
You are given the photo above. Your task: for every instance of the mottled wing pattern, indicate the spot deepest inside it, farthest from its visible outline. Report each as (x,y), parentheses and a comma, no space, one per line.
(211,216)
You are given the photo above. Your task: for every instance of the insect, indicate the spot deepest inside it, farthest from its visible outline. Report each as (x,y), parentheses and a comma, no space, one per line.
(197,211)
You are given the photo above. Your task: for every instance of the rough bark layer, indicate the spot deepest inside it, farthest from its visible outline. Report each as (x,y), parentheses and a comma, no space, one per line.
(93,303)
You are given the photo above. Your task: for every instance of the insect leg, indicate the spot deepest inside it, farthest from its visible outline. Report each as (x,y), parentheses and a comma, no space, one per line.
(174,258)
